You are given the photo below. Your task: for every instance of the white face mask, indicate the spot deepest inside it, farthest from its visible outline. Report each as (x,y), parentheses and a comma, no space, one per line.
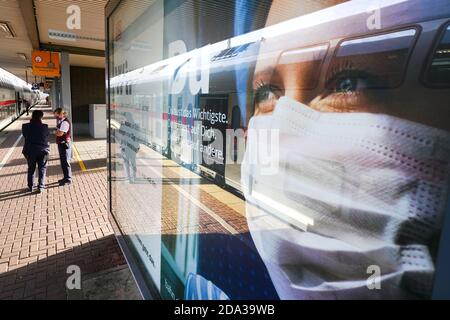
(353,194)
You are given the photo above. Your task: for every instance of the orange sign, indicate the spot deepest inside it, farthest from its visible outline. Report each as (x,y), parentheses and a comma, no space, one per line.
(44,64)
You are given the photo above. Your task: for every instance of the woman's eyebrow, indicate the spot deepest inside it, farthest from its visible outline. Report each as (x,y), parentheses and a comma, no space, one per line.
(266,72)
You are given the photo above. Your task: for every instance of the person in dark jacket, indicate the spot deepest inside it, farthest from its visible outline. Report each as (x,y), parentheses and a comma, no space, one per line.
(36,148)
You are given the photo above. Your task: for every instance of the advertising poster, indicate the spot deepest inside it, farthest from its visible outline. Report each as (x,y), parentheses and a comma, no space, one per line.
(283,149)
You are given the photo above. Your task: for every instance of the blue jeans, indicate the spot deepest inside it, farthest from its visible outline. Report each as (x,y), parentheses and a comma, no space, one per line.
(41,162)
(64,156)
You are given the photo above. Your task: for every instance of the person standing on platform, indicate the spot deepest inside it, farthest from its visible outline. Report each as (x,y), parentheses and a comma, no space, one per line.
(27,108)
(64,143)
(129,146)
(36,148)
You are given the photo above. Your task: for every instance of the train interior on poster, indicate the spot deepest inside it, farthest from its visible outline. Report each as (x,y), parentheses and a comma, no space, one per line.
(165,118)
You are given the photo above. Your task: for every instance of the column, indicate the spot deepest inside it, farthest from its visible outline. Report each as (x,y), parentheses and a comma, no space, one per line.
(66,96)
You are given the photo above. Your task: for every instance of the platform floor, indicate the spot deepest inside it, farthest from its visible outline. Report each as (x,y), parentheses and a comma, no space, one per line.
(42,234)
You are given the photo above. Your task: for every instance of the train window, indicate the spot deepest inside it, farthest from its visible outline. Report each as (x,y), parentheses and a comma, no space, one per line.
(308,62)
(371,62)
(438,73)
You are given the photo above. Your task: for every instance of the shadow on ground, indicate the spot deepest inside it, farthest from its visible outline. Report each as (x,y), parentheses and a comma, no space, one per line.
(46,278)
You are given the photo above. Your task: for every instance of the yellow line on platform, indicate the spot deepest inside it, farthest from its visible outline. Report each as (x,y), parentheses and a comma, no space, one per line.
(77,155)
(96,169)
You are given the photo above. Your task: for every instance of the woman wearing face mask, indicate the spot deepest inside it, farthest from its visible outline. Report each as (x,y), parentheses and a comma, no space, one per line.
(356,204)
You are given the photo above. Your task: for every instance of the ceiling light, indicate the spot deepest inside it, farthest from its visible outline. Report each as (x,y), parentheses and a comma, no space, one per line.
(22,56)
(5,30)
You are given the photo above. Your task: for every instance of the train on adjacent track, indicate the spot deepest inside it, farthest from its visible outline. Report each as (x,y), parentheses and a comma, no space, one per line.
(15,96)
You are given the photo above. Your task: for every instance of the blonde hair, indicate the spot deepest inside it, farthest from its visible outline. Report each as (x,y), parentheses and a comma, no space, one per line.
(61,111)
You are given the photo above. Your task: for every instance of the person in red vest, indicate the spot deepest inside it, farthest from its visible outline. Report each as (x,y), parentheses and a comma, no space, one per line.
(64,142)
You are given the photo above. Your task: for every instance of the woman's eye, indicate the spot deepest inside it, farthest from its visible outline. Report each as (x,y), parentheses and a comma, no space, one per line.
(266,92)
(350,81)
